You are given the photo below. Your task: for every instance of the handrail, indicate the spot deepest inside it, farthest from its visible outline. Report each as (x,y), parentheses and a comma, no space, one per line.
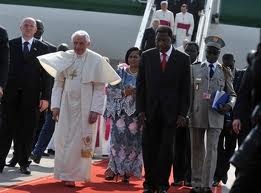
(207,21)
(150,9)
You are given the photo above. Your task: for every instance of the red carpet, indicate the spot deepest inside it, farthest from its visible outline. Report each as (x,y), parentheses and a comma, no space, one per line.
(98,185)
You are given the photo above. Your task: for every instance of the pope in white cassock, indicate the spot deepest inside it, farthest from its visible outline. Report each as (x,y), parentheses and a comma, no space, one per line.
(77,100)
(184,25)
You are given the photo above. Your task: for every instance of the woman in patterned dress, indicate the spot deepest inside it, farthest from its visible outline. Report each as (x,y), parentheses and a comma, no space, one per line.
(125,145)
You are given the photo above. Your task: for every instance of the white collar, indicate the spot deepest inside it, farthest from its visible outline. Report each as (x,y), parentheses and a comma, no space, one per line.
(214,64)
(168,52)
(30,41)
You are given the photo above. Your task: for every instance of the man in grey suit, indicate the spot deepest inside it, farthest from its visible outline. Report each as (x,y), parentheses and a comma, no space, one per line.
(207,78)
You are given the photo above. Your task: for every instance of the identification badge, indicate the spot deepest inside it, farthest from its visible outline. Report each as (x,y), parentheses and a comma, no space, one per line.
(206,96)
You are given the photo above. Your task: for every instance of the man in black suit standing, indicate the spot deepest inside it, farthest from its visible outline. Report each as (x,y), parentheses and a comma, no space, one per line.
(227,139)
(4,59)
(27,92)
(163,99)
(148,40)
(4,62)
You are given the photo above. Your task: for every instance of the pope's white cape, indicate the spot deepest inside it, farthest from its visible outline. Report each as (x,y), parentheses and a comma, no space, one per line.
(95,70)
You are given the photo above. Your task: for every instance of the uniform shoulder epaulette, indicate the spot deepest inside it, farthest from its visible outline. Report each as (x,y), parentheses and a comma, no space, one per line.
(196,63)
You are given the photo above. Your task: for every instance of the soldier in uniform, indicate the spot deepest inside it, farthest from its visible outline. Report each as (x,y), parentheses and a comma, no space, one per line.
(207,78)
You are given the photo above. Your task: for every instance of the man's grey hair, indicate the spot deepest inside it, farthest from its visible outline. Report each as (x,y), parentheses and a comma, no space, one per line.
(28,18)
(81,33)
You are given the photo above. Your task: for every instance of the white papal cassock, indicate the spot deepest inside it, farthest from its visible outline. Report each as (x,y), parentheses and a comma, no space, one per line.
(165,18)
(183,29)
(78,89)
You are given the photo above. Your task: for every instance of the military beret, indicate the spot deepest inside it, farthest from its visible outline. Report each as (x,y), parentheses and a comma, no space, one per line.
(214,41)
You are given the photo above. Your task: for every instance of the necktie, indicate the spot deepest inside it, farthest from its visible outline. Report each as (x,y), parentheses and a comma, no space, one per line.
(211,70)
(164,61)
(26,49)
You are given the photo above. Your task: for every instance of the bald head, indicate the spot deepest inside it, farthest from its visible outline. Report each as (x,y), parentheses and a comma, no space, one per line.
(28,28)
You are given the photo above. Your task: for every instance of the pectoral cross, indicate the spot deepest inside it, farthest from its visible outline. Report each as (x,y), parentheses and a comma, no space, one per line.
(73,74)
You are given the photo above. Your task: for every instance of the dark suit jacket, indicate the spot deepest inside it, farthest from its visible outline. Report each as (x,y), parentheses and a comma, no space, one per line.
(243,107)
(51,48)
(4,56)
(238,79)
(26,73)
(169,90)
(148,40)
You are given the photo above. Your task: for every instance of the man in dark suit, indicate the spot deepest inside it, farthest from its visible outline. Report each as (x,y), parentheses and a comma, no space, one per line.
(243,108)
(4,59)
(4,63)
(148,40)
(163,97)
(40,116)
(227,139)
(26,92)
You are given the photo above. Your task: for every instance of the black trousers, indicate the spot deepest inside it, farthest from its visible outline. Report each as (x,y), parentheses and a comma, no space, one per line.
(39,124)
(19,122)
(182,155)
(226,148)
(157,148)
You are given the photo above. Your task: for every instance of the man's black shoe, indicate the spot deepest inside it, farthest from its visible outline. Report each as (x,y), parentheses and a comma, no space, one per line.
(224,179)
(25,170)
(12,162)
(35,158)
(51,152)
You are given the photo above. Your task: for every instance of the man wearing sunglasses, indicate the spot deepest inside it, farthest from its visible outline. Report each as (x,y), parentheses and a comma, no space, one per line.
(208,78)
